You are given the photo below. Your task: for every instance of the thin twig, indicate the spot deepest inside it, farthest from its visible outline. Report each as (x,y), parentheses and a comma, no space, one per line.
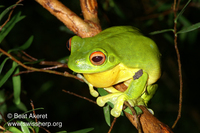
(112,124)
(50,63)
(3,117)
(22,72)
(71,93)
(53,63)
(33,108)
(139,127)
(9,16)
(4,130)
(46,68)
(53,67)
(167,12)
(32,58)
(38,70)
(175,7)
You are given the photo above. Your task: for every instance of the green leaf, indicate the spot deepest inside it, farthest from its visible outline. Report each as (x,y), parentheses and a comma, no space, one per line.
(7,75)
(6,29)
(190,28)
(181,12)
(127,110)
(63,59)
(16,85)
(24,127)
(36,129)
(138,110)
(106,111)
(43,89)
(62,132)
(83,130)
(164,7)
(161,31)
(26,45)
(2,96)
(2,6)
(33,126)
(2,64)
(102,92)
(14,130)
(3,106)
(117,10)
(184,21)
(21,106)
(7,10)
(3,110)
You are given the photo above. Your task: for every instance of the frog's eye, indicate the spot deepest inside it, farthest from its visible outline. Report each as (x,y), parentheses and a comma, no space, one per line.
(69,44)
(97,58)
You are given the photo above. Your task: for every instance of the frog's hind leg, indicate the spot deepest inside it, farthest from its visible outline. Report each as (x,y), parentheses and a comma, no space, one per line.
(148,94)
(133,94)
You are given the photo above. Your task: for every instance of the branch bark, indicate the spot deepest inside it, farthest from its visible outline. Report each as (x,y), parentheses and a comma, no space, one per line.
(149,123)
(89,27)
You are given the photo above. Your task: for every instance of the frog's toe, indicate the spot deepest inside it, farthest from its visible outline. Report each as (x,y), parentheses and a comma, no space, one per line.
(107,98)
(116,111)
(100,101)
(117,99)
(94,93)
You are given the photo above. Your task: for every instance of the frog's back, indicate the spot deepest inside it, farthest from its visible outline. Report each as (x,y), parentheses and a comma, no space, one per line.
(133,49)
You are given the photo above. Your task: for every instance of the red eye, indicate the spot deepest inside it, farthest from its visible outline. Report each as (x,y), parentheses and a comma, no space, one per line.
(69,44)
(97,58)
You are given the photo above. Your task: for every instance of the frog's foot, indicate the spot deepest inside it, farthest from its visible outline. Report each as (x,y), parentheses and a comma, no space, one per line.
(93,92)
(150,91)
(117,99)
(133,94)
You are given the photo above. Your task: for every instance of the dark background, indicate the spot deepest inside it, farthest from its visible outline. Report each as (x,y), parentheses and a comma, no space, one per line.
(45,90)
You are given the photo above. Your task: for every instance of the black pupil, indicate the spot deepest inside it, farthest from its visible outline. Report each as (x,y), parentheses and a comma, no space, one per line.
(97,58)
(68,45)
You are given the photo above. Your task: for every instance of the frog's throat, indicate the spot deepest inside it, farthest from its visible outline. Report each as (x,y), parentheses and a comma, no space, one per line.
(119,73)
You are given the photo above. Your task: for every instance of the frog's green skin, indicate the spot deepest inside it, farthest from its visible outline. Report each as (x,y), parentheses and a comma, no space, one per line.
(126,51)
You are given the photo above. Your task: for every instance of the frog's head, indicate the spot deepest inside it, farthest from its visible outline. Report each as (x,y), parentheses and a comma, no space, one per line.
(89,56)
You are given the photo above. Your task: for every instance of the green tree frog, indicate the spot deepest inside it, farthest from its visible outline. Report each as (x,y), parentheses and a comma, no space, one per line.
(117,54)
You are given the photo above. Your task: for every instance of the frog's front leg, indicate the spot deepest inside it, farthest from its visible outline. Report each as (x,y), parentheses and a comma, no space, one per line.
(93,92)
(133,94)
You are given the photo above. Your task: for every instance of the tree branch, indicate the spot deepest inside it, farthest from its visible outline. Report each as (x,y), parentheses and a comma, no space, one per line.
(149,123)
(89,27)
(175,9)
